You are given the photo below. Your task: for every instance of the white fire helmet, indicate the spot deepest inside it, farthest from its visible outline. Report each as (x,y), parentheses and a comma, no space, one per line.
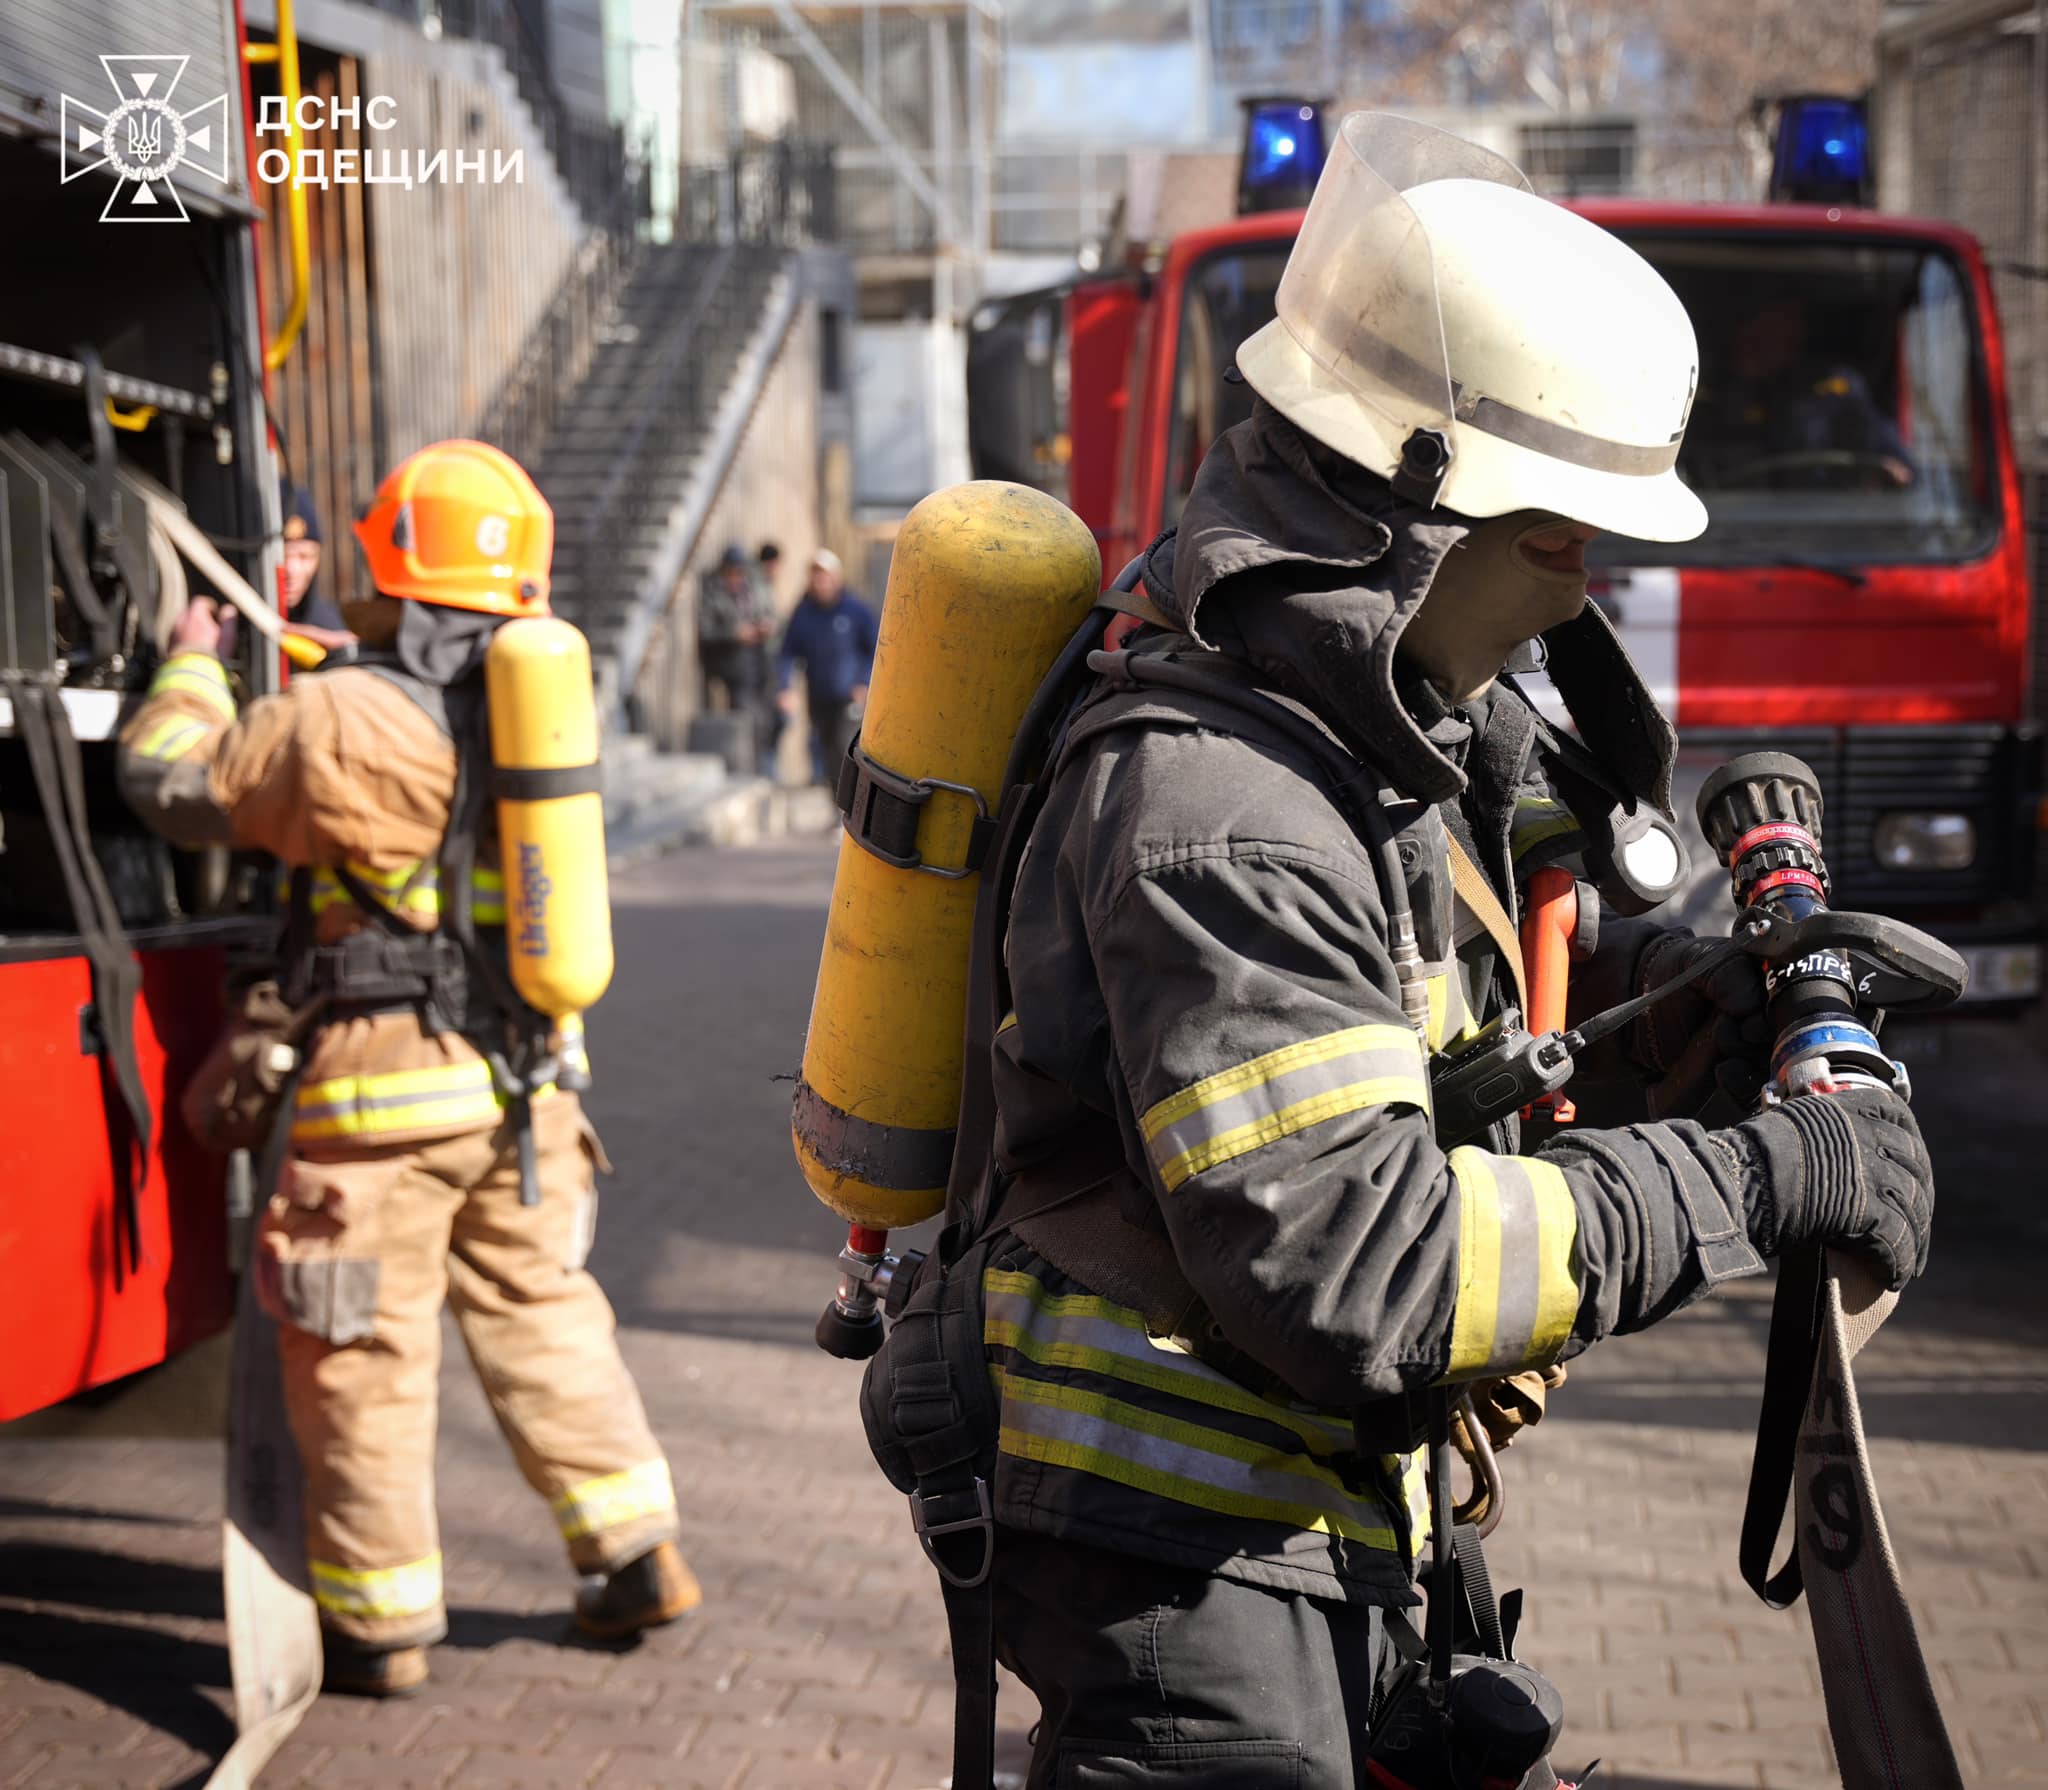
(1477,346)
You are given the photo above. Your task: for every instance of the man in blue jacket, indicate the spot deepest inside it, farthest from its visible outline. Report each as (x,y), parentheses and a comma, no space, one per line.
(832,633)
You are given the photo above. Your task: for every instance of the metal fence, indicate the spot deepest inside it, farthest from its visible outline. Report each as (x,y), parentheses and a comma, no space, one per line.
(787,193)
(558,350)
(906,96)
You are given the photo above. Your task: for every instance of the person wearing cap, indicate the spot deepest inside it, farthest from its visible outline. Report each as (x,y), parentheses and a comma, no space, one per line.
(1229,1256)
(831,634)
(308,611)
(402,1187)
(732,622)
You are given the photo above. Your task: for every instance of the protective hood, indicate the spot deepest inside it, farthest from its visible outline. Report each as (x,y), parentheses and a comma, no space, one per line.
(1310,568)
(1341,564)
(443,646)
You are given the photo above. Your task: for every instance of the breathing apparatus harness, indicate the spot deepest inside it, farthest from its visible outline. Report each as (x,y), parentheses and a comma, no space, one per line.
(1459,1702)
(1459,1710)
(455,977)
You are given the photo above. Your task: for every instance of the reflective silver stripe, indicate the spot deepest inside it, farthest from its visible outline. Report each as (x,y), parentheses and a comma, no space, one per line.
(378,1592)
(1076,1331)
(1243,1108)
(1123,1442)
(614,1500)
(1555,441)
(373,1103)
(1514,1312)
(1273,1097)
(1517,1288)
(1559,441)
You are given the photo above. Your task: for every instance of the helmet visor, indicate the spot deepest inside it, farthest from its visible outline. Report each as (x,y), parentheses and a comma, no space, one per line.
(1359,291)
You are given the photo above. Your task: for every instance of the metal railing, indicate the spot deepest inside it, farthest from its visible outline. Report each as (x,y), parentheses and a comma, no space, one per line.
(560,347)
(786,194)
(681,384)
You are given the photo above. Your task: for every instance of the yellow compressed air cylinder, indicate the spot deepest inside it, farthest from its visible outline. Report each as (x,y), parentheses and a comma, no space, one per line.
(558,915)
(987,583)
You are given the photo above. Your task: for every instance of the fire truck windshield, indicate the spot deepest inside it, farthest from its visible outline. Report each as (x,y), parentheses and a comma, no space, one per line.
(1840,414)
(1840,418)
(1230,294)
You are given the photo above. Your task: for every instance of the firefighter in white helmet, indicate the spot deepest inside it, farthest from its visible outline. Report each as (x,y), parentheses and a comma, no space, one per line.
(1227,1253)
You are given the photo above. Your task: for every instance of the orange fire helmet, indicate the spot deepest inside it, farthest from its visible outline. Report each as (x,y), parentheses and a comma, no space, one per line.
(460,523)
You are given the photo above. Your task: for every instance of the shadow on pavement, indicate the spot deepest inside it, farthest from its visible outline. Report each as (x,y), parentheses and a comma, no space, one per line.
(157,1678)
(91,1513)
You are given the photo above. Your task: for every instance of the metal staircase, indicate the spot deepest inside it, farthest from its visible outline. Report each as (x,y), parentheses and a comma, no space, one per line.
(635,454)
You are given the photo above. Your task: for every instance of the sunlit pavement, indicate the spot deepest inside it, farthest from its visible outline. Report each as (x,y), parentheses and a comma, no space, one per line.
(819,1658)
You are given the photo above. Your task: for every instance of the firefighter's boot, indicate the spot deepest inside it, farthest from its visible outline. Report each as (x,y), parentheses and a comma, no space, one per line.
(358,1669)
(644,1593)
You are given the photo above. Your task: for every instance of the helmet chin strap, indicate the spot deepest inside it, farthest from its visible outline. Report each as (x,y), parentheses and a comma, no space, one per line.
(1485,601)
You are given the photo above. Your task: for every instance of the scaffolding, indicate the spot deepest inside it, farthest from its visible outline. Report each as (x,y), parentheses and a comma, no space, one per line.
(905,94)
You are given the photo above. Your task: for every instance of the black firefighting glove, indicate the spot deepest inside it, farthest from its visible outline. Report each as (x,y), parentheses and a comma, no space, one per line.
(1846,1169)
(1710,1035)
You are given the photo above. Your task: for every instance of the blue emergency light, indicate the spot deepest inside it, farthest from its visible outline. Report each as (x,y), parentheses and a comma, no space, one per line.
(1283,153)
(1822,151)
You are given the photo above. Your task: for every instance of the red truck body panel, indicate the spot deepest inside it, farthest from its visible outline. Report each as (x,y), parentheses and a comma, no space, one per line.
(1757,646)
(75,1314)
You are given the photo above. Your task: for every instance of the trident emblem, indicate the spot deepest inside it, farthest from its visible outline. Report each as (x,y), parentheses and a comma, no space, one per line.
(145,140)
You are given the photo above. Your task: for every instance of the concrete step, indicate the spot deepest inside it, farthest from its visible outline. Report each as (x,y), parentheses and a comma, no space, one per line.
(639,782)
(739,811)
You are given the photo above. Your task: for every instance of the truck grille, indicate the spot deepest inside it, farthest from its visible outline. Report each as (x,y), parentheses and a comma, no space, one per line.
(1986,772)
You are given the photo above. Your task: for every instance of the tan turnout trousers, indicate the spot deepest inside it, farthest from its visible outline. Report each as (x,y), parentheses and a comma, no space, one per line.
(403,1184)
(361,1248)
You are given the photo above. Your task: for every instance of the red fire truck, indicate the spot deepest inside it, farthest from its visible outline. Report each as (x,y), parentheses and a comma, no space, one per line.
(131,404)
(1860,598)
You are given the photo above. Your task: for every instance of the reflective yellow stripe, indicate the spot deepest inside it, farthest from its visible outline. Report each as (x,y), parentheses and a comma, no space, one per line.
(1450,1015)
(1209,1469)
(171,738)
(614,1500)
(196,674)
(413,890)
(1537,819)
(1163,1449)
(1518,1292)
(1285,1091)
(443,1095)
(1111,1340)
(408,1590)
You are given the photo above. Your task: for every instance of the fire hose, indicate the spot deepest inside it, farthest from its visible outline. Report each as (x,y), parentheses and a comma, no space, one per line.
(1762,813)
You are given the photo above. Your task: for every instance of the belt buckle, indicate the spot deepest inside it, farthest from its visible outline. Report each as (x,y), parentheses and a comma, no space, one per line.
(930,1526)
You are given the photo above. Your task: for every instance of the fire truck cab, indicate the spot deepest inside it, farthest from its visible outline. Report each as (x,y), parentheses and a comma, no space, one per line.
(1860,596)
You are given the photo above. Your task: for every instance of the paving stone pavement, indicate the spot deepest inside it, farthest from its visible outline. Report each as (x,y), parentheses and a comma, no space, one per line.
(820,1658)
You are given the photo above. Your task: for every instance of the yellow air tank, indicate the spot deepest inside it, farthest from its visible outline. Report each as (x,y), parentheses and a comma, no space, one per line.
(558,931)
(988,582)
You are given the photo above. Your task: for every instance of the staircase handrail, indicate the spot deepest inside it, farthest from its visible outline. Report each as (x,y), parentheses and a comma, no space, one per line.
(670,403)
(563,341)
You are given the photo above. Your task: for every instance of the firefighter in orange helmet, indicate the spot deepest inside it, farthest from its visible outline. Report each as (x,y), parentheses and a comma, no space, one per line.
(403,1179)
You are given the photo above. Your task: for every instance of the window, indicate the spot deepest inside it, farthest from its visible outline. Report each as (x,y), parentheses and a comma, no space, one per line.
(1580,157)
(1229,296)
(1841,408)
